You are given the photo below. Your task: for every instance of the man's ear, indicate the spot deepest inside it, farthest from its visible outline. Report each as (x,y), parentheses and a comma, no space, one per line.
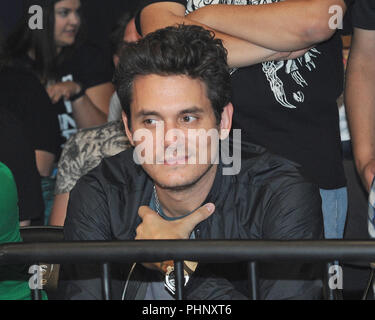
(127,130)
(226,121)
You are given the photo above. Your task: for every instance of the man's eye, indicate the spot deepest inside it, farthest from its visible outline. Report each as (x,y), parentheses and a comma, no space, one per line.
(188,119)
(150,121)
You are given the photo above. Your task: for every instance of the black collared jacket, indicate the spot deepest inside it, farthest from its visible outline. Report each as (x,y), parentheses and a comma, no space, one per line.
(268,199)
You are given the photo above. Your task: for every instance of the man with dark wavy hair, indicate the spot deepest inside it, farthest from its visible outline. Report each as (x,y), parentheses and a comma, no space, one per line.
(176,82)
(287,76)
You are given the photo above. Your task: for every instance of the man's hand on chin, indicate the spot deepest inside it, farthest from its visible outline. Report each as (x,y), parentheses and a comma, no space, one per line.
(154,227)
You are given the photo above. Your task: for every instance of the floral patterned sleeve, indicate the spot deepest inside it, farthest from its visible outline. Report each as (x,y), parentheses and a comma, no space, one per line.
(69,166)
(85,150)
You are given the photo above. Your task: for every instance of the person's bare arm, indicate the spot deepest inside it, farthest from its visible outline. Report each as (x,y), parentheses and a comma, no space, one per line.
(100,95)
(87,114)
(240,52)
(360,102)
(44,162)
(283,26)
(58,213)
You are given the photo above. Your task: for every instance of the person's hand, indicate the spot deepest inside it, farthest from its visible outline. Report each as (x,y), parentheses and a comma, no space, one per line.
(156,228)
(63,90)
(367,174)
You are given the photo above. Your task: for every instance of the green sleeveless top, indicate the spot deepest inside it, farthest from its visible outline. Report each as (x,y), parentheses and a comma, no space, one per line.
(14,280)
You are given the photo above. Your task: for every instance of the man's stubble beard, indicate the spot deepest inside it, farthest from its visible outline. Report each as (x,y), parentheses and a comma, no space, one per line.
(185,186)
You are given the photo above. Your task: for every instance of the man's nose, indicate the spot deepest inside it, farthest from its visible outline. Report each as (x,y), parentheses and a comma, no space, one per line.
(172,134)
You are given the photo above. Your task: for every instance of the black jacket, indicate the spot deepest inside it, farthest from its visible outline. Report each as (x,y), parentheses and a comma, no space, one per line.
(268,199)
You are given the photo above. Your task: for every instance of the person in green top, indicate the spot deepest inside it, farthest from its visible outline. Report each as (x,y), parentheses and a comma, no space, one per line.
(14,280)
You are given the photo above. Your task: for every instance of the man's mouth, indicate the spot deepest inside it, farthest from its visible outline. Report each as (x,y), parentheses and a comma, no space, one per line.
(176,160)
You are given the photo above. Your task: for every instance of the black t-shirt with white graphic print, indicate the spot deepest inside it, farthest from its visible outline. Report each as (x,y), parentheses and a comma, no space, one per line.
(87,66)
(290,107)
(363,16)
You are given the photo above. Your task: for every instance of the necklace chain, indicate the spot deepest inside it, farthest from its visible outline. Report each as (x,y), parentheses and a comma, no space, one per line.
(157,202)
(157,205)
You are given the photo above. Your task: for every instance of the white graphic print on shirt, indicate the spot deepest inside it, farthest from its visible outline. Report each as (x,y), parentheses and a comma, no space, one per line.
(68,125)
(292,68)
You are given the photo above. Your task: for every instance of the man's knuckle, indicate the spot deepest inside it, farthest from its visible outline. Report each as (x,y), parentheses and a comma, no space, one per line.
(146,217)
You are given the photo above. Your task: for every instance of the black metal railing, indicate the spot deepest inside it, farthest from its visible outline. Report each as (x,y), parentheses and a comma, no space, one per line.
(208,251)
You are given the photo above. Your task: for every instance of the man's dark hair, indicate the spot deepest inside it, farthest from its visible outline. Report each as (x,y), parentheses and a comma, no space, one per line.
(182,50)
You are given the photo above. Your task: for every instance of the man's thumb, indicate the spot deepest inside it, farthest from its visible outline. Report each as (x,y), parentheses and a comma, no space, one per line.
(145,210)
(199,215)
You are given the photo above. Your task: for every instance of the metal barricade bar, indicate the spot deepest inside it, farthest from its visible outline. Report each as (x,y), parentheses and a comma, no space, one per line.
(214,251)
(209,251)
(180,279)
(36,294)
(106,281)
(253,280)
